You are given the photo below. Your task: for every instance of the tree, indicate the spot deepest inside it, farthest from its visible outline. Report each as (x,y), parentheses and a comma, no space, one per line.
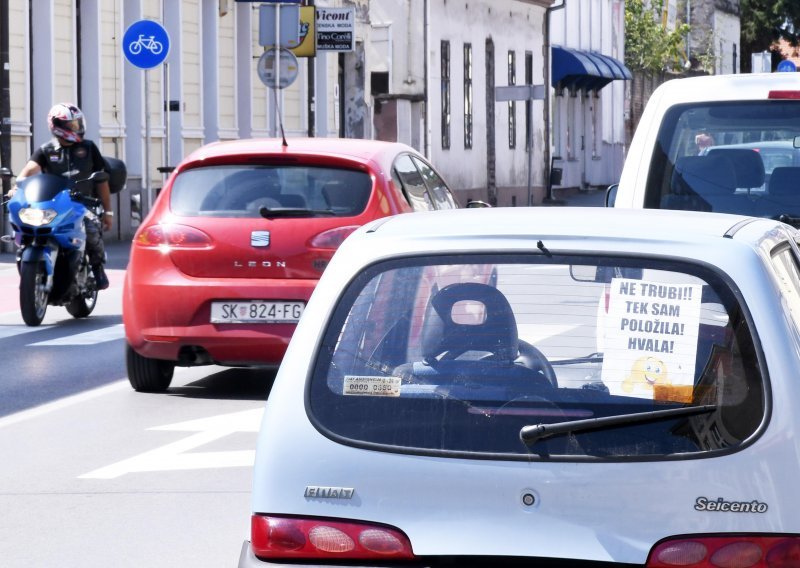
(763,22)
(649,46)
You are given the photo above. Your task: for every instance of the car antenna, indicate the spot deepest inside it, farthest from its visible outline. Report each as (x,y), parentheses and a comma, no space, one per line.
(280,119)
(543,248)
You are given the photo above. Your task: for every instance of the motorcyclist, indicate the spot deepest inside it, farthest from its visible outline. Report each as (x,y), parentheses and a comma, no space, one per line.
(71,155)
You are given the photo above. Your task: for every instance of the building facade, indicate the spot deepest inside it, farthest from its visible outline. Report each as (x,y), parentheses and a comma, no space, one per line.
(423,72)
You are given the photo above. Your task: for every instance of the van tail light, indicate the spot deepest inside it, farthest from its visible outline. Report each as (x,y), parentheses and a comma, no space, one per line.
(784,95)
(172,236)
(739,551)
(293,538)
(332,238)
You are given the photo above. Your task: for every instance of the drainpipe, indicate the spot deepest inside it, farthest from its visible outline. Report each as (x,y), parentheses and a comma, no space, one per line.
(425,102)
(5,109)
(548,102)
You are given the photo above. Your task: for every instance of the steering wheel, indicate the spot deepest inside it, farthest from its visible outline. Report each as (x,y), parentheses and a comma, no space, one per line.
(534,359)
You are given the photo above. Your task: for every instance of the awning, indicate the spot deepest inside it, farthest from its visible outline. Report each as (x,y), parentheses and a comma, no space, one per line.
(585,70)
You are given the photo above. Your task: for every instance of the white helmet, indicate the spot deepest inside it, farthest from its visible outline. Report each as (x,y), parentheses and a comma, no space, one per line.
(66,122)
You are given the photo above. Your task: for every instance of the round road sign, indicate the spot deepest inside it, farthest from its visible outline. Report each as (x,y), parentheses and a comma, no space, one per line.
(145,44)
(288,69)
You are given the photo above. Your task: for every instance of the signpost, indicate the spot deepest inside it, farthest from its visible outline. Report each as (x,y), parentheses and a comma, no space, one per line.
(523,93)
(146,45)
(787,66)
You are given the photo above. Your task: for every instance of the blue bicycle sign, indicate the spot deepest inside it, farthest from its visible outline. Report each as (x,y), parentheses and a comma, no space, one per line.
(145,44)
(151,44)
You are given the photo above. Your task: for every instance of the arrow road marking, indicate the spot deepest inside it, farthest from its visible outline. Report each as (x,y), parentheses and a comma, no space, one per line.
(178,455)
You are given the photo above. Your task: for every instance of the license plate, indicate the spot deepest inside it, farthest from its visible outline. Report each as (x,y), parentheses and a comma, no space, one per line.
(256,311)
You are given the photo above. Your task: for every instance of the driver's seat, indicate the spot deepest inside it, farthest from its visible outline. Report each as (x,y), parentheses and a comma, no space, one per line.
(470,336)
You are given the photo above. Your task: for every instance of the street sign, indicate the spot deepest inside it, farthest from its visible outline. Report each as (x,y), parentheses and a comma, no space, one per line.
(288,68)
(519,93)
(308,32)
(787,66)
(145,44)
(289,24)
(336,29)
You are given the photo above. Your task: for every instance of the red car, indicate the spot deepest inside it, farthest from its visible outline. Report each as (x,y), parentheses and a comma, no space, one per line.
(221,268)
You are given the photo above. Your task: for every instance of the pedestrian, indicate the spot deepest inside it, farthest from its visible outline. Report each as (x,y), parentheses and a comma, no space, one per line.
(71,155)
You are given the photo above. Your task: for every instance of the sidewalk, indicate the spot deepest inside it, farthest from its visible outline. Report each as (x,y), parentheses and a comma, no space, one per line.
(574,198)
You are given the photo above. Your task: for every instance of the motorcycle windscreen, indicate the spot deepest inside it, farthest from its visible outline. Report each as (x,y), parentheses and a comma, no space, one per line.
(43,187)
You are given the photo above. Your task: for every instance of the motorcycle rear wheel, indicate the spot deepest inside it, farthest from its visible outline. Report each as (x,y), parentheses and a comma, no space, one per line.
(148,375)
(32,292)
(83,305)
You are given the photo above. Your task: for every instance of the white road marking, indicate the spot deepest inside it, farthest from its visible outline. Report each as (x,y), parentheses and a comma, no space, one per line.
(88,338)
(178,455)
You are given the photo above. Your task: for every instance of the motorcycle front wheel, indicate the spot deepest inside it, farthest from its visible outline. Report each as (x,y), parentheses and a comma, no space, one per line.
(32,292)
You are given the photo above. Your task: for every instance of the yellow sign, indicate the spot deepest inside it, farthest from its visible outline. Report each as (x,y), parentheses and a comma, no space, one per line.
(308,33)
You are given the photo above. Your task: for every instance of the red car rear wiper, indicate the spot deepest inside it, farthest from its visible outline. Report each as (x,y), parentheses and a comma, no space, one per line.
(288,212)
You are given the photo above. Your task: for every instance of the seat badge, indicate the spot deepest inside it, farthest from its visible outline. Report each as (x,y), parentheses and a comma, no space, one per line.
(317,492)
(259,239)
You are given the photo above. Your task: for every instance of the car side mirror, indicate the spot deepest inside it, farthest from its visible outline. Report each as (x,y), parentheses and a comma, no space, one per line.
(611,194)
(474,204)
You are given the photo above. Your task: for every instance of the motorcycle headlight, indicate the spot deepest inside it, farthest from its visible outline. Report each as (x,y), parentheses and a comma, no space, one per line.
(36,217)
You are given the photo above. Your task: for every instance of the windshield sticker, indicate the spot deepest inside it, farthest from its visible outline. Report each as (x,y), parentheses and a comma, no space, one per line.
(650,339)
(371,386)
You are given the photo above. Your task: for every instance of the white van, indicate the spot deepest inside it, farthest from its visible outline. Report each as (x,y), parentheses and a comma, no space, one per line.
(727,143)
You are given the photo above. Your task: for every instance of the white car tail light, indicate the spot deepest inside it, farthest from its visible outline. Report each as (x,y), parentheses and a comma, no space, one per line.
(741,551)
(294,538)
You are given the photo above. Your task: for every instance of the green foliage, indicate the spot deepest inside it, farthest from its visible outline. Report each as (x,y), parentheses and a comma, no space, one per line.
(649,46)
(763,22)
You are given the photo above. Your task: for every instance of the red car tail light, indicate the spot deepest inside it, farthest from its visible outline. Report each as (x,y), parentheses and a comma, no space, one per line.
(332,238)
(173,236)
(739,551)
(294,538)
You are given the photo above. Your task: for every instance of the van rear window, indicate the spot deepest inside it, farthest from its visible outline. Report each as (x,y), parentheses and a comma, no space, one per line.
(461,355)
(729,157)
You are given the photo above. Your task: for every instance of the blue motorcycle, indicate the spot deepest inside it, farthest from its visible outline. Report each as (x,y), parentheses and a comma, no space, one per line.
(47,216)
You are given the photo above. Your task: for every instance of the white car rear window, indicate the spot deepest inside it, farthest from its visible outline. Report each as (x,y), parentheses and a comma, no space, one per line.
(459,354)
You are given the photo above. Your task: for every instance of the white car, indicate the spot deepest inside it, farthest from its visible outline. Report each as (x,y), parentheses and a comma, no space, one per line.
(442,401)
(723,143)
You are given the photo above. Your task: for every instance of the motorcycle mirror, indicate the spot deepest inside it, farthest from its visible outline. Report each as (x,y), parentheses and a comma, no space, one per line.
(5,172)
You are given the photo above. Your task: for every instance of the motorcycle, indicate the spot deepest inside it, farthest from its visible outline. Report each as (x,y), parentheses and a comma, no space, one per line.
(47,217)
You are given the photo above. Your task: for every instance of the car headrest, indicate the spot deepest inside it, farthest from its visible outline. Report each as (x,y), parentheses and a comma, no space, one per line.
(704,175)
(785,182)
(747,165)
(484,322)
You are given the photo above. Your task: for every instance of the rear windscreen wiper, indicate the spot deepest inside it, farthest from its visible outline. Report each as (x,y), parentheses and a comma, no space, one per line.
(287,212)
(789,220)
(532,434)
